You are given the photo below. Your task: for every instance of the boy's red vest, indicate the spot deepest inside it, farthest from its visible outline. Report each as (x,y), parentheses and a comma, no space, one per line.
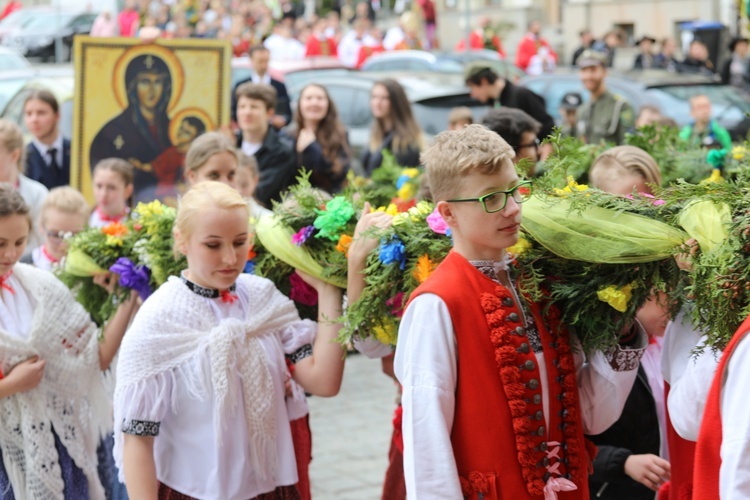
(681,461)
(708,449)
(503,446)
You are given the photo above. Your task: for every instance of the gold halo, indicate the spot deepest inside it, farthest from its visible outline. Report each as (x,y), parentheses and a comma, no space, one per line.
(163,53)
(174,123)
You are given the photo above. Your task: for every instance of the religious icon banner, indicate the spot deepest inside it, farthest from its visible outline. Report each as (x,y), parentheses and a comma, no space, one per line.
(145,103)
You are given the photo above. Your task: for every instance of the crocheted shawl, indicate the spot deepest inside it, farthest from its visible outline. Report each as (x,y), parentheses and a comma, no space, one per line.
(172,329)
(72,397)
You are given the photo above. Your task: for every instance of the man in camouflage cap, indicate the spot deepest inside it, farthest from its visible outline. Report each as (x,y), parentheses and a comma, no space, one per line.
(606,116)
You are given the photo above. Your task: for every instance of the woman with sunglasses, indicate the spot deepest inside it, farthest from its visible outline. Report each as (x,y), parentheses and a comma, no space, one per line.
(519,130)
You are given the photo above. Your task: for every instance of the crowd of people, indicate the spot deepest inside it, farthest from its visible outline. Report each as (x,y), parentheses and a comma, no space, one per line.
(208,398)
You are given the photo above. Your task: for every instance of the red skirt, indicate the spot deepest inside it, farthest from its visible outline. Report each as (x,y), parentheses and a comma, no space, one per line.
(280,493)
(302,439)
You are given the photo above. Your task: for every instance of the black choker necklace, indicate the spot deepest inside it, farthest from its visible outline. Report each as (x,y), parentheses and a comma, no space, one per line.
(209,293)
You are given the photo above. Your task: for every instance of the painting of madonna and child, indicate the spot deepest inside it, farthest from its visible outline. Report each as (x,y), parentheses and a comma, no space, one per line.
(146,103)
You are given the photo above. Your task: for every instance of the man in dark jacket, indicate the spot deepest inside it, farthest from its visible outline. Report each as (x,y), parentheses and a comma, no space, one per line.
(488,87)
(276,159)
(260,58)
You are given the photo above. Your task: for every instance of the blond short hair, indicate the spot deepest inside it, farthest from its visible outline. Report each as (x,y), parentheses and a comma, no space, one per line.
(621,161)
(205,146)
(66,200)
(11,138)
(460,114)
(473,149)
(200,198)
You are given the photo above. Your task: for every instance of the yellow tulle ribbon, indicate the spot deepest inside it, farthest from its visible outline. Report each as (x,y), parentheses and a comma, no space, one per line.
(277,238)
(598,235)
(78,263)
(707,222)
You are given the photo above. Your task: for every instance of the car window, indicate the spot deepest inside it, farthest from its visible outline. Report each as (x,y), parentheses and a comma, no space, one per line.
(10,61)
(376,66)
(448,66)
(555,92)
(14,110)
(361,114)
(432,114)
(727,103)
(344,98)
(66,118)
(48,21)
(240,74)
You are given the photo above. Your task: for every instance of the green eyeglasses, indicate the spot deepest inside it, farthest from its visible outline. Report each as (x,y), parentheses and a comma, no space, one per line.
(496,201)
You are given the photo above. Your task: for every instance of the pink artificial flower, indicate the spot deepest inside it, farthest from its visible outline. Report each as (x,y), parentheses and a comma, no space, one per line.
(436,222)
(302,292)
(301,236)
(396,303)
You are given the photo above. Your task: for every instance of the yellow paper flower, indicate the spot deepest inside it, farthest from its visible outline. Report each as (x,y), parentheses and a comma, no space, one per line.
(407,192)
(113,241)
(400,218)
(410,172)
(385,334)
(738,152)
(149,209)
(520,247)
(571,187)
(424,269)
(424,208)
(345,241)
(714,178)
(618,298)
(392,209)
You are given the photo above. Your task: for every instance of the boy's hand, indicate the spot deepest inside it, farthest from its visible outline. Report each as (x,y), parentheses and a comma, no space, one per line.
(26,375)
(649,470)
(362,243)
(107,281)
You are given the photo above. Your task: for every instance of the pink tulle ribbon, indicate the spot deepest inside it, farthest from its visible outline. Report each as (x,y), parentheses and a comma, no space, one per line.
(555,484)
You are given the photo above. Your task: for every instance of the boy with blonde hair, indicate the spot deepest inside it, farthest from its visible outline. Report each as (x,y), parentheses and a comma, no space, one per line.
(496,394)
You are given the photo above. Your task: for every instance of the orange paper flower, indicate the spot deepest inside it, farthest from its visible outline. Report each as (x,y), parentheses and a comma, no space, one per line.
(115,229)
(345,241)
(424,268)
(251,254)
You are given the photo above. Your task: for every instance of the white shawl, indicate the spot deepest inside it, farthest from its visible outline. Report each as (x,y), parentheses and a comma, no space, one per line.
(173,327)
(72,396)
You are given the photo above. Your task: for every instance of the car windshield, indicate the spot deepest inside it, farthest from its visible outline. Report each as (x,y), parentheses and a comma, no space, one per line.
(727,103)
(9,88)
(432,114)
(49,21)
(444,65)
(11,61)
(16,18)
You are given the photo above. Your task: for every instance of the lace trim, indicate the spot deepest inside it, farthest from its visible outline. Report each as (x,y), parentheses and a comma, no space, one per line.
(141,428)
(300,354)
(209,293)
(624,360)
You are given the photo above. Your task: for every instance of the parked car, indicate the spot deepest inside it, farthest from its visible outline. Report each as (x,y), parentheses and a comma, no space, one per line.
(12,81)
(17,19)
(61,85)
(667,91)
(289,72)
(431,101)
(11,60)
(441,62)
(36,38)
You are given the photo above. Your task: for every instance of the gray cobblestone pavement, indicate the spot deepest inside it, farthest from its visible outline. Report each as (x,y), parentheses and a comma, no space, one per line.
(351,434)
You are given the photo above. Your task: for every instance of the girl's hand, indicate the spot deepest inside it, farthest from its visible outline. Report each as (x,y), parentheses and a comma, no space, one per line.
(26,375)
(649,470)
(305,138)
(107,281)
(685,260)
(362,243)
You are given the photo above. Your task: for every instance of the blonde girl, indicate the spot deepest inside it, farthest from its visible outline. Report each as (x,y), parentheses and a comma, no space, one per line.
(113,187)
(11,159)
(64,214)
(200,401)
(55,406)
(625,169)
(212,157)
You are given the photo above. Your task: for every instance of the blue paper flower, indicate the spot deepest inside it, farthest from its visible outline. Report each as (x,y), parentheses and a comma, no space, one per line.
(402,179)
(392,252)
(132,276)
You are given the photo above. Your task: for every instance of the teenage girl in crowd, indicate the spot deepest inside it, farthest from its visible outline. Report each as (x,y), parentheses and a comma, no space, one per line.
(55,406)
(211,157)
(11,161)
(200,401)
(113,187)
(320,139)
(394,128)
(632,459)
(64,214)
(48,153)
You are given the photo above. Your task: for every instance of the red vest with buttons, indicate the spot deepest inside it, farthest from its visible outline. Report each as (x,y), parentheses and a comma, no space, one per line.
(708,449)
(500,436)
